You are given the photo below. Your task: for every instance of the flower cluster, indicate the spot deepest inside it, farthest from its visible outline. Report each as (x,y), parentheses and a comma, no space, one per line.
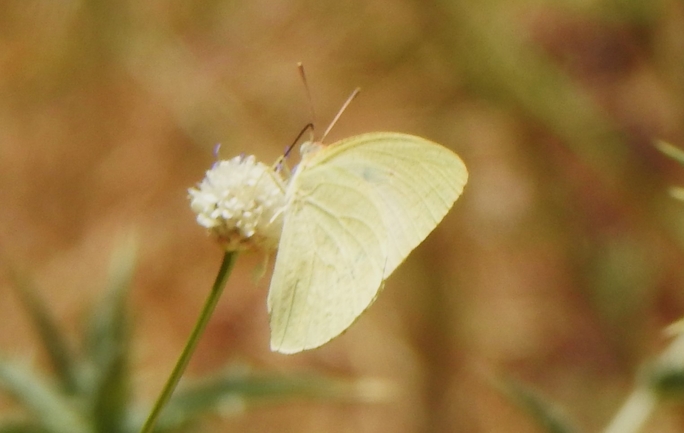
(241,202)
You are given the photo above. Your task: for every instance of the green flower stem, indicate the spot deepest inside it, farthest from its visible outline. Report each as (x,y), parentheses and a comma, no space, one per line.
(209,305)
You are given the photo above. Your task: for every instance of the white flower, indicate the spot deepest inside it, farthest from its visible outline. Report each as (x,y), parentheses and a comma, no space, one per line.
(241,202)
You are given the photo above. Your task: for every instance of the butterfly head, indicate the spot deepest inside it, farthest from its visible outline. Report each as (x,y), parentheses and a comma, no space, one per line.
(308,148)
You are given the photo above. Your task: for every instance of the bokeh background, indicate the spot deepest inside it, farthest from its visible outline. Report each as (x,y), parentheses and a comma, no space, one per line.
(558,267)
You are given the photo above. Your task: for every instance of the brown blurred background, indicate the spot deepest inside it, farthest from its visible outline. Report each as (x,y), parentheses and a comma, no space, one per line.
(559,266)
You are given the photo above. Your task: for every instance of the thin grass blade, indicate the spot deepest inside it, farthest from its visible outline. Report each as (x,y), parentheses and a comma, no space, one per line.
(109,348)
(50,408)
(672,151)
(60,355)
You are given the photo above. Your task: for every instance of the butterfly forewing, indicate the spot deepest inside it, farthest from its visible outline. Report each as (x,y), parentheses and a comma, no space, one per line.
(414,182)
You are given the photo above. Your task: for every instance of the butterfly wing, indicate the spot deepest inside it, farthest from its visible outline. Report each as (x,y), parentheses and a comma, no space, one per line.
(413,181)
(357,210)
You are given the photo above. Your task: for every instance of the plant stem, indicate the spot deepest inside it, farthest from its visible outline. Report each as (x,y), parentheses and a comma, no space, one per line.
(220,282)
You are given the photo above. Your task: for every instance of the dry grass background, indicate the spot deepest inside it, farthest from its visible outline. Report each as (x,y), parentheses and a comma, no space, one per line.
(559,266)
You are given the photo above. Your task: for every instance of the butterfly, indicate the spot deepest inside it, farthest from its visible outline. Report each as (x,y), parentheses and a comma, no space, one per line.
(354,211)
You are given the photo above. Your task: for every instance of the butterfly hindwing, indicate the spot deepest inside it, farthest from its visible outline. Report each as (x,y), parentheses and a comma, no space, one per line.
(329,262)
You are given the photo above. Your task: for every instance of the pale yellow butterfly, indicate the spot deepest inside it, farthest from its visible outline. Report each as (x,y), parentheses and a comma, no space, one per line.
(355,209)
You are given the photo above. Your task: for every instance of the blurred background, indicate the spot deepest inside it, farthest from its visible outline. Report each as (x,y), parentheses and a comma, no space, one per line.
(558,267)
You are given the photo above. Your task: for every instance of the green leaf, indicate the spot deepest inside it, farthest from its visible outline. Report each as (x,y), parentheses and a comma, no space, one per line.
(60,355)
(51,409)
(109,348)
(668,382)
(236,390)
(20,426)
(541,409)
(665,375)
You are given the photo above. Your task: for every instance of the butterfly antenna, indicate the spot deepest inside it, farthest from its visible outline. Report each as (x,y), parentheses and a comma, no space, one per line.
(339,113)
(310,127)
(302,75)
(279,163)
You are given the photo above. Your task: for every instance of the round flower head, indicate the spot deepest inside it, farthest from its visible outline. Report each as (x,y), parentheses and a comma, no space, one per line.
(241,202)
